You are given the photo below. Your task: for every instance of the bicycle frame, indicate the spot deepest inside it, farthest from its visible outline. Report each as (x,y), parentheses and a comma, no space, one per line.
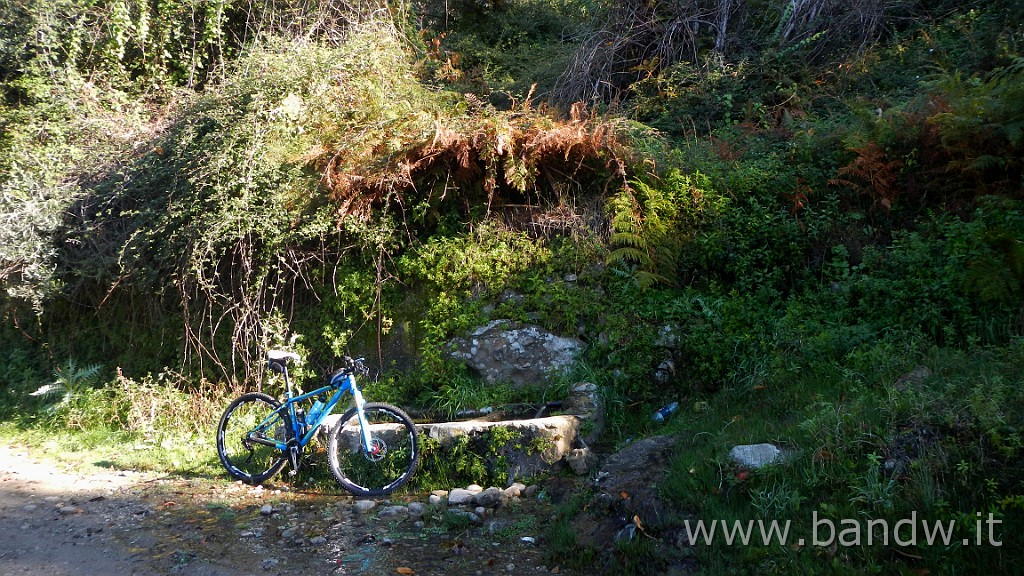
(340,384)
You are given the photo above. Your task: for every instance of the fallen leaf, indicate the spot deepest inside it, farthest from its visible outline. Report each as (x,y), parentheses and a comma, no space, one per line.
(404,570)
(624,495)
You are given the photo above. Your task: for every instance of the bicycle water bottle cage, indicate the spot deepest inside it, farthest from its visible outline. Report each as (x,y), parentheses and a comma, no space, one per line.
(277,360)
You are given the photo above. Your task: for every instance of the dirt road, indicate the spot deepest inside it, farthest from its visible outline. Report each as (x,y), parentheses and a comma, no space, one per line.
(58,521)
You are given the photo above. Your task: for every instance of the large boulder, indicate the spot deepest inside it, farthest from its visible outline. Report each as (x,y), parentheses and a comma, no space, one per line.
(523,355)
(630,478)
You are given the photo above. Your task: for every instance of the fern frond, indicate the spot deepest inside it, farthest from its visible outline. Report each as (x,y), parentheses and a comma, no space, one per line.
(647,279)
(627,254)
(631,238)
(986,162)
(48,390)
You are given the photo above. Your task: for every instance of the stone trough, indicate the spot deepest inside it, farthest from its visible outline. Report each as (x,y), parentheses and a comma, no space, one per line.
(541,444)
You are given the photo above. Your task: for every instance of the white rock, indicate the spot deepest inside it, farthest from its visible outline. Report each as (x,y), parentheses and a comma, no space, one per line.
(460,497)
(755,455)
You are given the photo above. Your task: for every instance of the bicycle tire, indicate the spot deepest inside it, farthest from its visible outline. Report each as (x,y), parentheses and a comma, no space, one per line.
(250,462)
(390,465)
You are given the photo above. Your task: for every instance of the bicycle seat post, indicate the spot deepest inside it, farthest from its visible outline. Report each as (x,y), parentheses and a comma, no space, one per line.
(277,360)
(287,382)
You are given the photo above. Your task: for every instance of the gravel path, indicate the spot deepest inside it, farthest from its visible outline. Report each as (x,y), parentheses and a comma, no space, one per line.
(55,521)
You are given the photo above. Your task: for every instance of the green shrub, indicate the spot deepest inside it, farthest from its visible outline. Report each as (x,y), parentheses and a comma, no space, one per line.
(957,281)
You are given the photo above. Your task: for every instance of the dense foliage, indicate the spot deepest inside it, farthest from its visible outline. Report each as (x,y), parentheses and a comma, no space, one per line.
(772,208)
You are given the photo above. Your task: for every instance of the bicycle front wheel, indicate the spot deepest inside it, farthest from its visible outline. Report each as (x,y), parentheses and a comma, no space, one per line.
(390,460)
(248,421)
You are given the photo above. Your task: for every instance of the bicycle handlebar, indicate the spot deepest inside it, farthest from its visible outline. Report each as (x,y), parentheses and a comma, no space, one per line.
(354,366)
(277,361)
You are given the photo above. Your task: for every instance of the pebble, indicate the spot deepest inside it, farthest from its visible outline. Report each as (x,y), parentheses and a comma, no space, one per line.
(266,510)
(460,497)
(491,498)
(472,517)
(416,509)
(515,490)
(364,506)
(394,513)
(270,563)
(318,541)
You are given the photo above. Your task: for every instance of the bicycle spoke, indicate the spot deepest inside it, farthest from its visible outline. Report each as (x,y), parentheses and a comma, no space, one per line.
(244,420)
(387,463)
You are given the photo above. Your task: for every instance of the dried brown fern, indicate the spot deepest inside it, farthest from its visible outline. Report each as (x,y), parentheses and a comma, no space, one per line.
(872,173)
(498,153)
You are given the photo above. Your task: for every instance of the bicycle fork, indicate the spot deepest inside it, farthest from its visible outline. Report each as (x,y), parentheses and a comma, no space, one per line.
(364,426)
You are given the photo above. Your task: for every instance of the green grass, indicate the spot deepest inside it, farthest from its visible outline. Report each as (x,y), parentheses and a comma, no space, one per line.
(91,449)
(838,428)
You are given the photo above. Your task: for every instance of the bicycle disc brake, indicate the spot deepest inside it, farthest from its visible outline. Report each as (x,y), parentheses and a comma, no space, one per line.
(378,449)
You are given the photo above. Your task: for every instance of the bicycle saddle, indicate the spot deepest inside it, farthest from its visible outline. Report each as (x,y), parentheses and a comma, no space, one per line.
(282,356)
(277,359)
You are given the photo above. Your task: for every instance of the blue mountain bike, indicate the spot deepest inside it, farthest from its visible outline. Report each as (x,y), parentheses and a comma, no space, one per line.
(372,450)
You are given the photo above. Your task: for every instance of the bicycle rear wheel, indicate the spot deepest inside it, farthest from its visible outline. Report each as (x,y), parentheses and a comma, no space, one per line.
(247,420)
(388,463)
